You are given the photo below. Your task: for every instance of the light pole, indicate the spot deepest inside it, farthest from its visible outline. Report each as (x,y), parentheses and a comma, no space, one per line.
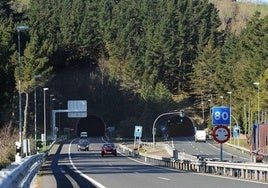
(45,123)
(258,85)
(230,93)
(60,103)
(19,29)
(203,111)
(221,99)
(51,99)
(181,114)
(35,112)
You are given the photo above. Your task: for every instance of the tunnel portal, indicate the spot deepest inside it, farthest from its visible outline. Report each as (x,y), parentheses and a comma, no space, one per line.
(93,125)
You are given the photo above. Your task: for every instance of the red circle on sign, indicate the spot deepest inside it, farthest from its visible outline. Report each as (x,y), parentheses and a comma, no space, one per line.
(221,134)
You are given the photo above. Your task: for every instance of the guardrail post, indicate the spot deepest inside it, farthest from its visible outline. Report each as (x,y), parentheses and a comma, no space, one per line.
(256,175)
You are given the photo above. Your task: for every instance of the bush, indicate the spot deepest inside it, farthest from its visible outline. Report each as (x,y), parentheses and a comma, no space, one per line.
(8,137)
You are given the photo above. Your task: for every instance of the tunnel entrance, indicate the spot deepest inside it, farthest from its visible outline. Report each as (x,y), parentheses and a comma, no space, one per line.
(93,125)
(179,126)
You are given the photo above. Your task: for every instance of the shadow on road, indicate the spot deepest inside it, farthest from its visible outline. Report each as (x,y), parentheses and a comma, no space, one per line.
(62,174)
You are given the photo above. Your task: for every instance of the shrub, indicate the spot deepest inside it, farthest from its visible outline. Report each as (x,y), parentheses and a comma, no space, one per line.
(8,137)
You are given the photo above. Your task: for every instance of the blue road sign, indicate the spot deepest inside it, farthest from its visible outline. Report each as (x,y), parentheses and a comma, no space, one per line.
(138,131)
(236,131)
(221,115)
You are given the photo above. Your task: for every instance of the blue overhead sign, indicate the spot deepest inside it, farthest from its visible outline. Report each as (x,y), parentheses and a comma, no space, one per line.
(221,115)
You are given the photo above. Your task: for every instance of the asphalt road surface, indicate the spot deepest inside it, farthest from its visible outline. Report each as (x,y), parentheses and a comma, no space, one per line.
(209,150)
(70,168)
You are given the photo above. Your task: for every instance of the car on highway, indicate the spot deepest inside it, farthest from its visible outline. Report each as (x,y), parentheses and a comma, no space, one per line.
(83,144)
(108,149)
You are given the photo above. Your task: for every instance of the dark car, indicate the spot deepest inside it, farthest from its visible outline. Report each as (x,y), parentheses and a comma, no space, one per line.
(83,144)
(108,149)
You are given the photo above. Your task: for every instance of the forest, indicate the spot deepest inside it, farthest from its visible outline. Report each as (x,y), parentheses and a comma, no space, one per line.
(133,60)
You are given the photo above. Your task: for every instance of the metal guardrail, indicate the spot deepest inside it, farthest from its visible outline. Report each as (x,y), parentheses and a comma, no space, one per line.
(250,171)
(21,174)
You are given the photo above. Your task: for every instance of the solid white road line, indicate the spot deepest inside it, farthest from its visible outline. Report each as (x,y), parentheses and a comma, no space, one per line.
(99,185)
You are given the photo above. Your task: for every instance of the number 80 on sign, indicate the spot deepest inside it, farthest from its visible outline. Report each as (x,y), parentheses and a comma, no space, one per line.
(221,115)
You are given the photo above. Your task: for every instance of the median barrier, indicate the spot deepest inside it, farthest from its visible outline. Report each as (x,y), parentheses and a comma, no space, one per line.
(249,171)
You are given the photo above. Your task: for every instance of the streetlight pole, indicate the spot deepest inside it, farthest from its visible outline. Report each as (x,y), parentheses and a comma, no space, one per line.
(19,29)
(45,123)
(230,93)
(203,111)
(60,103)
(181,113)
(258,85)
(35,112)
(51,105)
(221,99)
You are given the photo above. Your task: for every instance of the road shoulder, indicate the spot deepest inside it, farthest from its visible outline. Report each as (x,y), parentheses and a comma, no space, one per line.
(45,175)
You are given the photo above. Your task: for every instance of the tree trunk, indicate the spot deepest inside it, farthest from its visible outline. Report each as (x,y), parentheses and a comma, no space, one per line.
(24,134)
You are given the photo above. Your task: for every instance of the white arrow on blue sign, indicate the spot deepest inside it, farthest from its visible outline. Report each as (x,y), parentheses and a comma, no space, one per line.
(221,115)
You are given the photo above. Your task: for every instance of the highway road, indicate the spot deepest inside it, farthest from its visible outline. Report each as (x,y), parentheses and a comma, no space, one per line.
(70,168)
(209,150)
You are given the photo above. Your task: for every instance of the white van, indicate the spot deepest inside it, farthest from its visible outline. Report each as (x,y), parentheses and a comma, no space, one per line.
(200,136)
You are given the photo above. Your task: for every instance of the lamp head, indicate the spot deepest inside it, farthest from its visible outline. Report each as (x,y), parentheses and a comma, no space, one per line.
(37,76)
(256,83)
(22,28)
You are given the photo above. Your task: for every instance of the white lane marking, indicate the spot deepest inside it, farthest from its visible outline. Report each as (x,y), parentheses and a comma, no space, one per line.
(162,178)
(99,185)
(241,157)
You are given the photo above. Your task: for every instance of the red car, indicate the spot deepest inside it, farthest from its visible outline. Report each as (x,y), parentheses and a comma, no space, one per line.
(108,149)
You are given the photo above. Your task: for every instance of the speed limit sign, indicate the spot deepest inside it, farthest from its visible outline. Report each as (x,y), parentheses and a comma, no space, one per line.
(221,115)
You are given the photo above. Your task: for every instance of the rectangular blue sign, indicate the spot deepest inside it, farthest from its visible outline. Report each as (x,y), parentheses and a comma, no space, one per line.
(221,115)
(138,131)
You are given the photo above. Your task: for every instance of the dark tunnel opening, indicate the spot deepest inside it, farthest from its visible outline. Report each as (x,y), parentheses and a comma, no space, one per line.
(180,127)
(93,125)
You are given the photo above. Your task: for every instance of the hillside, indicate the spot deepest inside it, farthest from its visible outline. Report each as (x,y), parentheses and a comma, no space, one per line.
(239,12)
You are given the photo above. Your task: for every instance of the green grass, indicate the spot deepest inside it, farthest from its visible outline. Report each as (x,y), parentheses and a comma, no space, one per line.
(241,142)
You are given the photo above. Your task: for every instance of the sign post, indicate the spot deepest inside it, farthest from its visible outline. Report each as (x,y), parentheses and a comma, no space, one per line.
(221,118)
(137,134)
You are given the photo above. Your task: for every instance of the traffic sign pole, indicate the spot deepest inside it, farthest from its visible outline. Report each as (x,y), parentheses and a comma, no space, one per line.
(221,157)
(221,134)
